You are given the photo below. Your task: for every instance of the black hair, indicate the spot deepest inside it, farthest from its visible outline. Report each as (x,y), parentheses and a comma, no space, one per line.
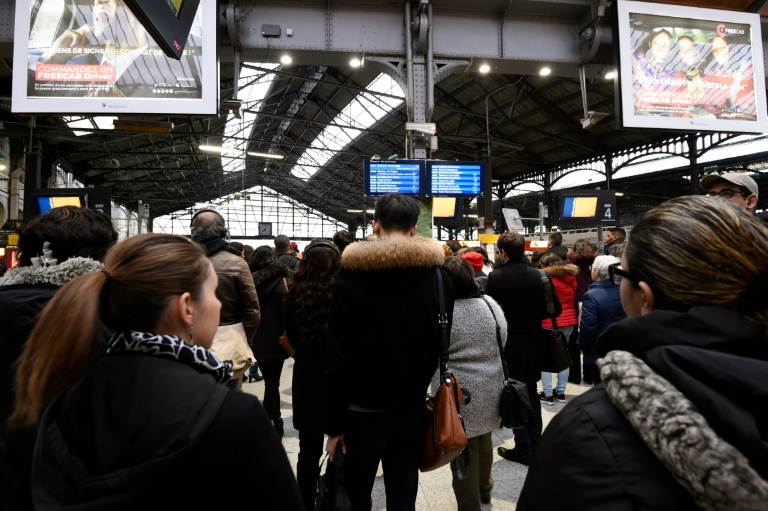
(397,212)
(462,276)
(513,244)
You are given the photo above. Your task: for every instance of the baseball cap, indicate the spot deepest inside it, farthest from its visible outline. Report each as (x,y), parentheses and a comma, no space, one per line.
(294,245)
(475,259)
(737,178)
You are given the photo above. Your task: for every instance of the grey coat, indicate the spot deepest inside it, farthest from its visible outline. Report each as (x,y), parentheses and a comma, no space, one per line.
(474,360)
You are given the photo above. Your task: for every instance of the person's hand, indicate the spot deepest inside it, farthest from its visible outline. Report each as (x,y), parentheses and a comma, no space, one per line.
(69,39)
(330,445)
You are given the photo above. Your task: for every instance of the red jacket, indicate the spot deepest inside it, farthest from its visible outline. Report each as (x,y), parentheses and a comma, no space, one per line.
(564,278)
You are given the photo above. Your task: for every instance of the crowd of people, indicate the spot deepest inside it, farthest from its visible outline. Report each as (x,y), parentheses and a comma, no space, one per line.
(114,395)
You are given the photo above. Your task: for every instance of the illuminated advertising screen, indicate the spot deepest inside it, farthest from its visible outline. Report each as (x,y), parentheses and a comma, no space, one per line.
(397,176)
(94,57)
(456,178)
(690,68)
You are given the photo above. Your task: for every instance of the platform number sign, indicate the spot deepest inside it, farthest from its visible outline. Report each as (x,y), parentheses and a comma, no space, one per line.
(586,208)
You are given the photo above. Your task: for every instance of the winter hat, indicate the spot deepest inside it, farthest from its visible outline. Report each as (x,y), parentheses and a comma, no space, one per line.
(475,259)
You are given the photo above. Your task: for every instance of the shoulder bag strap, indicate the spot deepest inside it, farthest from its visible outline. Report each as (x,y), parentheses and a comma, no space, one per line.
(498,338)
(442,321)
(548,295)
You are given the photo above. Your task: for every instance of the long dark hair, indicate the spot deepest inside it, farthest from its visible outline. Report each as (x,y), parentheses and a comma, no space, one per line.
(311,290)
(142,275)
(263,257)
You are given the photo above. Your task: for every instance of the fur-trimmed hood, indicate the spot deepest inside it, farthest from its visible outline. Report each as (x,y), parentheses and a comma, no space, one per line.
(57,275)
(714,472)
(562,270)
(392,253)
(270,272)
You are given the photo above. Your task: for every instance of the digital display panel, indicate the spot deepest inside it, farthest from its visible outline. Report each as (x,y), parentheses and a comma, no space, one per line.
(398,176)
(94,56)
(579,207)
(46,203)
(586,208)
(688,68)
(456,178)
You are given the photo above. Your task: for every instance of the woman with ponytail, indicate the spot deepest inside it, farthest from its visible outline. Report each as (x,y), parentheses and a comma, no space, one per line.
(679,420)
(307,310)
(145,420)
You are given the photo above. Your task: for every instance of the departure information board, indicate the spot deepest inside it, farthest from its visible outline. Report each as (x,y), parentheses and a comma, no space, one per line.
(398,176)
(456,178)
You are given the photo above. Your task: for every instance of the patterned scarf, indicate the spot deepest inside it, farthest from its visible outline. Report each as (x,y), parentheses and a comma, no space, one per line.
(172,348)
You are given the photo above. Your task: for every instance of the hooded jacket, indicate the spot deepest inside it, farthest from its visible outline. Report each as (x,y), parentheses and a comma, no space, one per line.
(385,339)
(141,432)
(564,279)
(24,291)
(678,424)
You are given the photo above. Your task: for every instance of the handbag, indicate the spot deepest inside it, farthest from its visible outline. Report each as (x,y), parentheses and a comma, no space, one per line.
(331,492)
(446,437)
(514,403)
(230,343)
(283,339)
(555,356)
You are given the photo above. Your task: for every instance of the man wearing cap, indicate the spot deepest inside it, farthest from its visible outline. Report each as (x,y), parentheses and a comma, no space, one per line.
(477,261)
(285,253)
(737,187)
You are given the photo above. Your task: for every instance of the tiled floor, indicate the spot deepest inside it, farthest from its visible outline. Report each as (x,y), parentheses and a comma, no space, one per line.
(435,492)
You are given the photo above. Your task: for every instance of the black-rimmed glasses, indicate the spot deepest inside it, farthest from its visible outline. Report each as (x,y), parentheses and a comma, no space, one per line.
(616,273)
(727,193)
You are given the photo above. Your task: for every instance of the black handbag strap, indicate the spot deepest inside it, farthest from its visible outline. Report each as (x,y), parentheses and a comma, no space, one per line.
(442,321)
(548,296)
(498,338)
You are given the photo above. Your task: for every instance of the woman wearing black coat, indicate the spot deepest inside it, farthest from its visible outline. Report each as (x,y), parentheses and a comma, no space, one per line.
(145,421)
(307,310)
(269,276)
(679,420)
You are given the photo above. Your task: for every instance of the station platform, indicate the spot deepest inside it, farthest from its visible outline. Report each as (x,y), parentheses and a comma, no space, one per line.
(435,492)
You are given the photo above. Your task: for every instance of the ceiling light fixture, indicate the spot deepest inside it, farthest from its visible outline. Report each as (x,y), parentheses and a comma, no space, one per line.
(286,59)
(485,68)
(266,155)
(545,71)
(2,166)
(355,62)
(218,149)
(610,75)
(371,211)
(619,194)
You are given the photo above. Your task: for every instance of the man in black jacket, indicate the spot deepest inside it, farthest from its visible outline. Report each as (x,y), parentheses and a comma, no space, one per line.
(384,347)
(519,290)
(285,253)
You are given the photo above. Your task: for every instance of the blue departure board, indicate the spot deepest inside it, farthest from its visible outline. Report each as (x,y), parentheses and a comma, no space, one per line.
(456,178)
(398,176)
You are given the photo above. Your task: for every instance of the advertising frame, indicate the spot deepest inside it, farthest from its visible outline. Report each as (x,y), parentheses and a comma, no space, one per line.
(67,89)
(704,73)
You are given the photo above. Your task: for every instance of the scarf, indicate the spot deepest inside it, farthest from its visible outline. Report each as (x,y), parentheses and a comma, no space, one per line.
(171,347)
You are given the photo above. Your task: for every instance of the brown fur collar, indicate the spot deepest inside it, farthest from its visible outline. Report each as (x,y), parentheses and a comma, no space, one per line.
(392,253)
(562,270)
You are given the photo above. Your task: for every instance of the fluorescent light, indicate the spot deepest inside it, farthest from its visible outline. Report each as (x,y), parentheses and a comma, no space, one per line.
(485,68)
(610,75)
(266,155)
(355,62)
(545,71)
(371,211)
(2,167)
(619,194)
(286,59)
(471,216)
(218,149)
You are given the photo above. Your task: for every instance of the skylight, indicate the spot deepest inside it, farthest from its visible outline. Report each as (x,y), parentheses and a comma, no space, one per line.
(365,110)
(89,123)
(251,95)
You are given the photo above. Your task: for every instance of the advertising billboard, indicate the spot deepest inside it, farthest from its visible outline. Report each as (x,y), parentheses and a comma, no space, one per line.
(94,57)
(688,68)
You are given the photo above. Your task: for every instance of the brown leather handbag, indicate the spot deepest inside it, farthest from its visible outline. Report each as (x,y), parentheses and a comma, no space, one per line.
(446,437)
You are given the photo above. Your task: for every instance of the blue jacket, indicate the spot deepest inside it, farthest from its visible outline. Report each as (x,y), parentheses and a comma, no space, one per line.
(600,308)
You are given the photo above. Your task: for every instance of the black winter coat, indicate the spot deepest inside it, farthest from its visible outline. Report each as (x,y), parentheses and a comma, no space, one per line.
(289,260)
(717,359)
(518,289)
(140,432)
(271,292)
(385,340)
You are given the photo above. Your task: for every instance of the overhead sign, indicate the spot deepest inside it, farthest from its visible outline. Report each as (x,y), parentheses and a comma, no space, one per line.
(512,217)
(488,239)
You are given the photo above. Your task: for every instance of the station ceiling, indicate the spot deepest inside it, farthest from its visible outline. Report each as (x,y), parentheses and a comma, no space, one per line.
(535,127)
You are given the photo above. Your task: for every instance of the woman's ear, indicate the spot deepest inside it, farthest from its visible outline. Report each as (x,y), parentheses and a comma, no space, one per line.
(648,300)
(183,308)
